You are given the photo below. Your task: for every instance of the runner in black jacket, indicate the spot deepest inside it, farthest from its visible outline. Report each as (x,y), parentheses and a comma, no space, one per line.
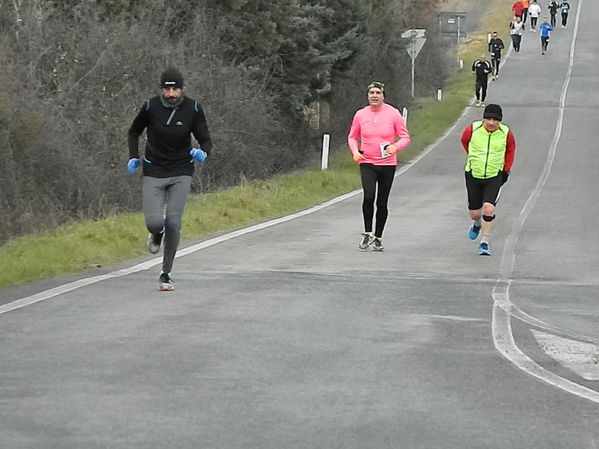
(481,69)
(553,8)
(168,163)
(495,47)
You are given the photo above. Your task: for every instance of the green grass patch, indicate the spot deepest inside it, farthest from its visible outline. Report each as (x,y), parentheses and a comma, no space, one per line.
(257,201)
(90,244)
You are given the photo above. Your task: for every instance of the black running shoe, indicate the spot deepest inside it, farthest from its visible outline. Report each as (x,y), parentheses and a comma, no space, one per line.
(165,283)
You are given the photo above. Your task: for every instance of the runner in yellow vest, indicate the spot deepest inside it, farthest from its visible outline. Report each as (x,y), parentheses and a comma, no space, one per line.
(491,147)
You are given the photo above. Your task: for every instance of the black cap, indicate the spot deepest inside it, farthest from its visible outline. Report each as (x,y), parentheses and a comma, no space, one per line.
(171,78)
(493,111)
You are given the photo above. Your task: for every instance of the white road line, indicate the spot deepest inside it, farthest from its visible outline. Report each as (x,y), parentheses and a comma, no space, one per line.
(503,309)
(456,318)
(526,318)
(578,356)
(505,344)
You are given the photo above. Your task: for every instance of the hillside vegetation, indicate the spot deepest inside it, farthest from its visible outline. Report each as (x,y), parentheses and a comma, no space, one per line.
(59,235)
(271,75)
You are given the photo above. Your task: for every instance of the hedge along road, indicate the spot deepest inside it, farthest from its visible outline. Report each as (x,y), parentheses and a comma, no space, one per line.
(286,335)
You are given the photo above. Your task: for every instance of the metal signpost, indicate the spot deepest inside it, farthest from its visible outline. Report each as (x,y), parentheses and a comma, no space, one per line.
(453,24)
(417,40)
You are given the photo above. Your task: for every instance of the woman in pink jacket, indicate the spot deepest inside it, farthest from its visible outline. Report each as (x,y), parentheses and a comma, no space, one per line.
(378,132)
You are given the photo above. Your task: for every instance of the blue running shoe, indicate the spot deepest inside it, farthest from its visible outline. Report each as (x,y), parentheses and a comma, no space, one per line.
(484,249)
(473,231)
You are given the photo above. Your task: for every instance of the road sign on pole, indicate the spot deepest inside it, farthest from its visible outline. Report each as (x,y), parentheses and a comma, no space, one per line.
(453,24)
(417,40)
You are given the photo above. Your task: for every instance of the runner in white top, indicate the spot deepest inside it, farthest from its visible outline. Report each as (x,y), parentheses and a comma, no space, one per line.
(516,27)
(534,11)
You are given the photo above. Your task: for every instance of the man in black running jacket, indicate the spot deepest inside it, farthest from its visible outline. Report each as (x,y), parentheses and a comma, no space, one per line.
(168,163)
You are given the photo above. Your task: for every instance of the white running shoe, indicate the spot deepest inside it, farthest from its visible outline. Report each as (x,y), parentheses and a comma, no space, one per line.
(366,241)
(377,244)
(154,242)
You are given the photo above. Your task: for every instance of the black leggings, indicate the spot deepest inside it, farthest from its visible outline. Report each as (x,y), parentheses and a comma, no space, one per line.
(516,38)
(544,43)
(564,19)
(495,63)
(372,175)
(481,89)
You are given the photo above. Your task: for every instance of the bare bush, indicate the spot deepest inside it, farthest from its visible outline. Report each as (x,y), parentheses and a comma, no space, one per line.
(79,81)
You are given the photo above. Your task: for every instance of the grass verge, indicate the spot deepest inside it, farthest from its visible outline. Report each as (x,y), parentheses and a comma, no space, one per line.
(90,244)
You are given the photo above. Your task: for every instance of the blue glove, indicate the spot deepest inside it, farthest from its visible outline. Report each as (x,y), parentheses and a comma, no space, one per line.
(197,154)
(133,165)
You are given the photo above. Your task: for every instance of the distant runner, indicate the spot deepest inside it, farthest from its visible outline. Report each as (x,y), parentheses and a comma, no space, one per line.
(495,47)
(545,30)
(481,69)
(565,10)
(516,27)
(553,9)
(525,4)
(534,11)
(518,8)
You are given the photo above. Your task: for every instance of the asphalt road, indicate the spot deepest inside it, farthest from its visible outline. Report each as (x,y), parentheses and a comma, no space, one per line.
(285,335)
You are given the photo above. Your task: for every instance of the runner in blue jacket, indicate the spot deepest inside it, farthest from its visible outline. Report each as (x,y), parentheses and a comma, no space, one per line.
(545,29)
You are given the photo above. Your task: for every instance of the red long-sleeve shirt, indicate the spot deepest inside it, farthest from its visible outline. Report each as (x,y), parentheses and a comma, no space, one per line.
(518,8)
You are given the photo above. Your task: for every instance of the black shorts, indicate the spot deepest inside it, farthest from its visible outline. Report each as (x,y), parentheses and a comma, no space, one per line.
(482,190)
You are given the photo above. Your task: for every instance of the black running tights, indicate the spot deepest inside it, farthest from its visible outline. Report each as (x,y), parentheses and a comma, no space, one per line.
(481,89)
(516,38)
(373,176)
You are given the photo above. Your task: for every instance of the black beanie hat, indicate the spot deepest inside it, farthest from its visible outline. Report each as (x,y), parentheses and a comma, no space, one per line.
(493,111)
(171,78)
